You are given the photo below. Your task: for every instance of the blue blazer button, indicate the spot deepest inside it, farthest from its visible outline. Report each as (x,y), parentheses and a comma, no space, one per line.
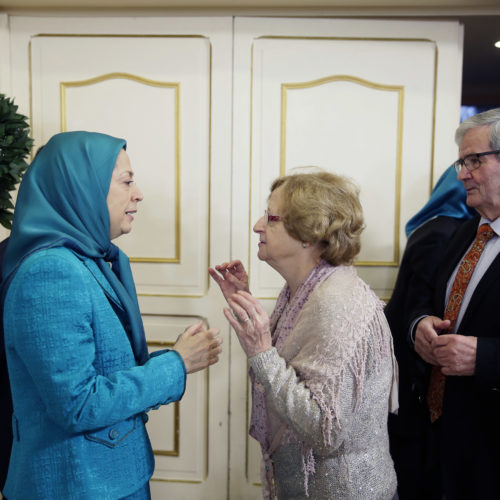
(114,434)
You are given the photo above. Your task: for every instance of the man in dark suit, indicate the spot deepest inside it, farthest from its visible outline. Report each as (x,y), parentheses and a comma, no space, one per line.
(410,429)
(468,354)
(428,232)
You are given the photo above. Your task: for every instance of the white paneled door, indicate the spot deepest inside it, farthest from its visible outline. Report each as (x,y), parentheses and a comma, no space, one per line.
(165,86)
(375,100)
(213,110)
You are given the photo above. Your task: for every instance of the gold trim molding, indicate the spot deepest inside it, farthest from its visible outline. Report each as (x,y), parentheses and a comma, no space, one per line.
(285,87)
(209,125)
(176,430)
(396,253)
(152,83)
(162,344)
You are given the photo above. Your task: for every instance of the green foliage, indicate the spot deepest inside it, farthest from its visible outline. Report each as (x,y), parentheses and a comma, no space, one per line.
(15,145)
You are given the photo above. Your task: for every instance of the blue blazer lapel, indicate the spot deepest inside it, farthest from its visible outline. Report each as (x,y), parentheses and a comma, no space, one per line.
(103,282)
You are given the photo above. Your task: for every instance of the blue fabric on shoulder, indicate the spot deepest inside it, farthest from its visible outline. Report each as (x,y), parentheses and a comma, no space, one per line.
(447,198)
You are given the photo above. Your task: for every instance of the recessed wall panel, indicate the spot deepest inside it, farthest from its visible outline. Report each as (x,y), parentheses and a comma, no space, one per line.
(161,106)
(352,107)
(179,430)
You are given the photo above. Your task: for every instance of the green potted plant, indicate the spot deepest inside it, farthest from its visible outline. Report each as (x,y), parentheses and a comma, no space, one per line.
(15,145)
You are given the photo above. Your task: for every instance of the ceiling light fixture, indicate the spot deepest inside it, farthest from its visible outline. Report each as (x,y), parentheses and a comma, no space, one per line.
(497,44)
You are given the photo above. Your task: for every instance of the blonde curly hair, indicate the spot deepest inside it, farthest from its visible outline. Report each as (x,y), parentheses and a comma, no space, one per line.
(323,208)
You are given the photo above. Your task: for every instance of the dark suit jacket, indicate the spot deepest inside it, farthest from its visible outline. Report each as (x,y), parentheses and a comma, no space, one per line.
(416,278)
(470,424)
(408,430)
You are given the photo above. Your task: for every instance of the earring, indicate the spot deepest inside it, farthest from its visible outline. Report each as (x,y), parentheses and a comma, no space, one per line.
(304,245)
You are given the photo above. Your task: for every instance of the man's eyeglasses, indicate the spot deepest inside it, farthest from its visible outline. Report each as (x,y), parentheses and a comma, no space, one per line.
(473,161)
(271,218)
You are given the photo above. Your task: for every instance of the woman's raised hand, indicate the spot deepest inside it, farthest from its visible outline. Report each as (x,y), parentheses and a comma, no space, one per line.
(198,348)
(250,322)
(231,277)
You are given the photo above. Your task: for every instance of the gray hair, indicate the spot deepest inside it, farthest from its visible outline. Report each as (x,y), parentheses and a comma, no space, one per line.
(489,118)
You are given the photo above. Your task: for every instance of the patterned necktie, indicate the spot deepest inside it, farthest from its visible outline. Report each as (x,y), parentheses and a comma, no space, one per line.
(464,273)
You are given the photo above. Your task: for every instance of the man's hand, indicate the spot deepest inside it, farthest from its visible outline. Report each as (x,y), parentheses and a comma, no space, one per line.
(456,354)
(427,331)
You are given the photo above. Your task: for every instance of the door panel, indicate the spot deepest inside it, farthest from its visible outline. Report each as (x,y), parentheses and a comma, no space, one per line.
(164,91)
(355,97)
(161,105)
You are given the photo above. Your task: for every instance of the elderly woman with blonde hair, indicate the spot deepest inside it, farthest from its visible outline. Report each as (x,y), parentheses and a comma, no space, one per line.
(322,366)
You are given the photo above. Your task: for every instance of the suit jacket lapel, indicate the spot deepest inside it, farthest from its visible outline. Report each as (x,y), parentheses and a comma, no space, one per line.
(488,282)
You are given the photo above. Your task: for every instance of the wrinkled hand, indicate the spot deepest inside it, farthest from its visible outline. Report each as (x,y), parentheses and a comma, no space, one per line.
(198,348)
(456,354)
(427,331)
(250,322)
(231,277)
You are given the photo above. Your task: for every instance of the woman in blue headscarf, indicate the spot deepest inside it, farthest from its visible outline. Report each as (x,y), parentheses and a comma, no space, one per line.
(81,376)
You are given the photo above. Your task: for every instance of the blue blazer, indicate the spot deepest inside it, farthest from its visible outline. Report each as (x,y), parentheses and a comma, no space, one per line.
(80,400)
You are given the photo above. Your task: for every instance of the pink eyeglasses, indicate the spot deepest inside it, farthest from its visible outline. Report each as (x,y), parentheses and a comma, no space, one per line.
(271,218)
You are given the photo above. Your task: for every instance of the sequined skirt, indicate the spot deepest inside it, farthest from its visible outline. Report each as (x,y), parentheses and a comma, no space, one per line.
(345,477)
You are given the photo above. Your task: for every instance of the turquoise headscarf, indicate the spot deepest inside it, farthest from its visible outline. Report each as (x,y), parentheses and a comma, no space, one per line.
(62,202)
(447,198)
